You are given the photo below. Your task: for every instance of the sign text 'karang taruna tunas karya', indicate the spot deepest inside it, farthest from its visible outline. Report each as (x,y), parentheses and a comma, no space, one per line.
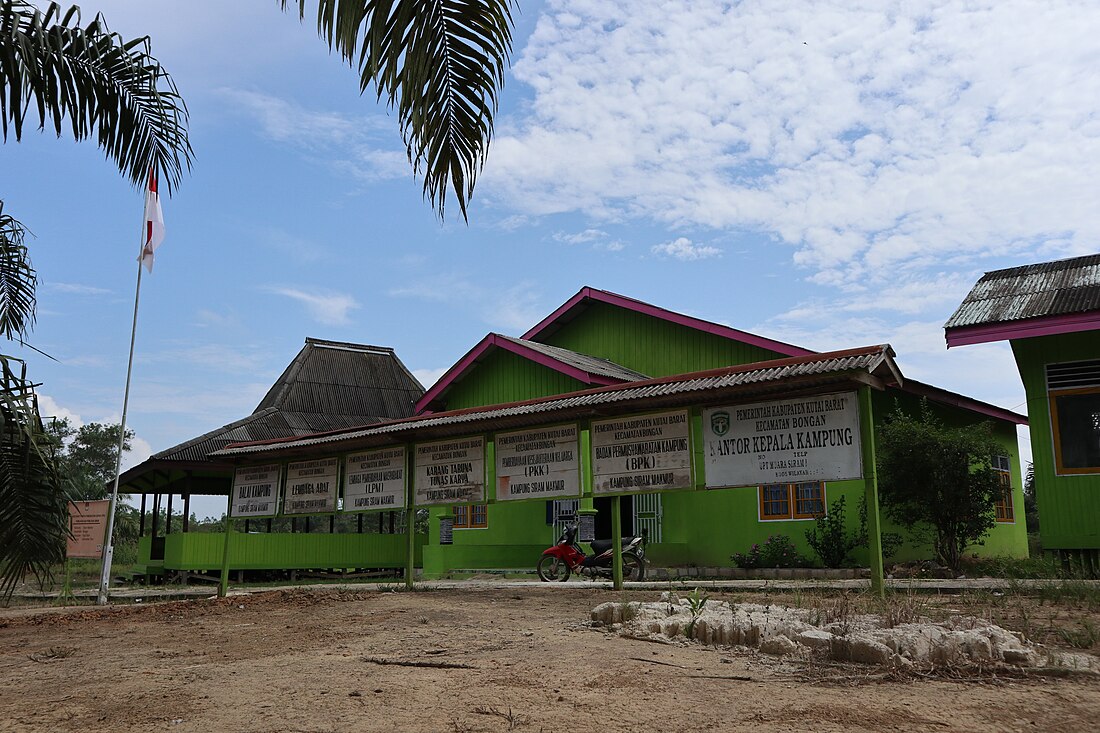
(450,471)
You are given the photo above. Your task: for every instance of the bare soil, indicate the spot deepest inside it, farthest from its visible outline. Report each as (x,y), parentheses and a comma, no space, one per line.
(507,659)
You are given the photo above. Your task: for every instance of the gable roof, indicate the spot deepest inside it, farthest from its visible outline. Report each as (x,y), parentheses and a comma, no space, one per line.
(1033,300)
(868,365)
(582,367)
(329,385)
(579,302)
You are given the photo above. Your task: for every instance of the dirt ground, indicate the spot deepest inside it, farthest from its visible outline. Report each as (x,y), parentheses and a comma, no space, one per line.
(522,659)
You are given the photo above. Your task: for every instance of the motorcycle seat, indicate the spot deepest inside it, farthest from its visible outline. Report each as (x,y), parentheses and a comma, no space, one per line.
(601,546)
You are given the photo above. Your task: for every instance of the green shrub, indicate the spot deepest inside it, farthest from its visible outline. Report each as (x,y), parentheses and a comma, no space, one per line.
(776,552)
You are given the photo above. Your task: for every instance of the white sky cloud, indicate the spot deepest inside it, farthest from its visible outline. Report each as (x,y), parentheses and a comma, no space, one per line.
(868,138)
(78,289)
(428,377)
(685,250)
(327,308)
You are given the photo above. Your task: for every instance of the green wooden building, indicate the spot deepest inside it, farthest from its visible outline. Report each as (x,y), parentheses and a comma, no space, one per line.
(602,358)
(1050,314)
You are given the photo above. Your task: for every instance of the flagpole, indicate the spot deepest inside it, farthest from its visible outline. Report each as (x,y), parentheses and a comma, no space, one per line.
(108,545)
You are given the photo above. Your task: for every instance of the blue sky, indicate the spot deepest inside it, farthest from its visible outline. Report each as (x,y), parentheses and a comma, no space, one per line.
(829,174)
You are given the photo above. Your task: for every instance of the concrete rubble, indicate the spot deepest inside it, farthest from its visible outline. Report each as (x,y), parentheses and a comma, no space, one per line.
(834,634)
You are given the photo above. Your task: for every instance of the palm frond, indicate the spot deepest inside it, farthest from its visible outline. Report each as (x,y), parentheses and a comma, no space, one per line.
(103,86)
(33,496)
(441,64)
(17,279)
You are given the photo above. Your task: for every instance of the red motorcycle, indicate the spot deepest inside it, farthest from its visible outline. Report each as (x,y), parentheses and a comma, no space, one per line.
(566,557)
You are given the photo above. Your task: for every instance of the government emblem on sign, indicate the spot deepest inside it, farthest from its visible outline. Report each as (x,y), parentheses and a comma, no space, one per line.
(720,423)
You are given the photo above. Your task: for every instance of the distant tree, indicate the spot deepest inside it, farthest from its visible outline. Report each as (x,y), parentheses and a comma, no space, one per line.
(939,481)
(1031,503)
(89,459)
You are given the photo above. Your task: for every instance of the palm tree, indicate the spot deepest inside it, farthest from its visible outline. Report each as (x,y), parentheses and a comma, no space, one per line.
(91,83)
(441,63)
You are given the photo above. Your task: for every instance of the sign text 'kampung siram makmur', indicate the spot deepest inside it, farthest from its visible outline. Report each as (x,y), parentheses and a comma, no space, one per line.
(538,463)
(643,453)
(311,486)
(806,439)
(255,491)
(375,480)
(450,472)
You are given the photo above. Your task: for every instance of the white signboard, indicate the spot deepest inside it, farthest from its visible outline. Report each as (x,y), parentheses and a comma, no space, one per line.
(806,439)
(375,480)
(255,491)
(538,463)
(450,472)
(642,453)
(311,487)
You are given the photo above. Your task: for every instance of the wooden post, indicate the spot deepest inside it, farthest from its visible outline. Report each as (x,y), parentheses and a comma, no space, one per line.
(870,481)
(141,520)
(168,518)
(156,513)
(332,524)
(186,512)
(360,523)
(410,518)
(617,542)
(223,583)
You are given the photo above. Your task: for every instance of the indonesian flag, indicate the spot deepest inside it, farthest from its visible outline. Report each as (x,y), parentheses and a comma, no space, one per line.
(154,222)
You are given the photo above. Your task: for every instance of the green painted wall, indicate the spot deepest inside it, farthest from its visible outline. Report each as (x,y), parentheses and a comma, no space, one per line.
(203,551)
(650,345)
(1069,506)
(699,527)
(506,377)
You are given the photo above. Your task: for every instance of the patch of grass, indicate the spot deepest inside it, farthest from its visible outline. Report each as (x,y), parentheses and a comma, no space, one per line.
(1084,636)
(1011,567)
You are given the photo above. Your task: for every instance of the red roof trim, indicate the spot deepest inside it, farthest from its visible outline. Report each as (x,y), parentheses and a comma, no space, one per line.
(1028,328)
(638,306)
(641,383)
(466,362)
(945,397)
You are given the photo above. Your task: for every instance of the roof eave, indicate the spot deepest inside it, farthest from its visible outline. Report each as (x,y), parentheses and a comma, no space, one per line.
(1028,328)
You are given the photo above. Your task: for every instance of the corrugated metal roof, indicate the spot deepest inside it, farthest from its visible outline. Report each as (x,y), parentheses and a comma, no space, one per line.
(1044,289)
(679,389)
(590,364)
(330,385)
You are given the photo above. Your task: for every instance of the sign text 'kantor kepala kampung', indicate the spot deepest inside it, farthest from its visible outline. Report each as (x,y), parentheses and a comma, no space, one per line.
(255,491)
(311,487)
(450,472)
(642,453)
(538,463)
(806,439)
(375,480)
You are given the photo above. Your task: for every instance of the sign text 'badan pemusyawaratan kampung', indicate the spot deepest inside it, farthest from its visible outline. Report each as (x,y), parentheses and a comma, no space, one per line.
(785,441)
(642,453)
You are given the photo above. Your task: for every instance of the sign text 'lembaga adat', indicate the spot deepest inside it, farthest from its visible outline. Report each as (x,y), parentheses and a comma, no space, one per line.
(538,463)
(311,487)
(255,491)
(807,439)
(450,472)
(642,453)
(375,480)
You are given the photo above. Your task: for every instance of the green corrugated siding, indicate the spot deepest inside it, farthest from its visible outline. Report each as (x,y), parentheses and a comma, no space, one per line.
(203,551)
(1069,506)
(506,377)
(650,345)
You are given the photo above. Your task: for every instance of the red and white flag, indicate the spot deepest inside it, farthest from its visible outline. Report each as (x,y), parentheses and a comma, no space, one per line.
(154,222)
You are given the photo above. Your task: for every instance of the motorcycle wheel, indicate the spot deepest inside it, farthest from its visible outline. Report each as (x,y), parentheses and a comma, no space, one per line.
(633,567)
(553,568)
